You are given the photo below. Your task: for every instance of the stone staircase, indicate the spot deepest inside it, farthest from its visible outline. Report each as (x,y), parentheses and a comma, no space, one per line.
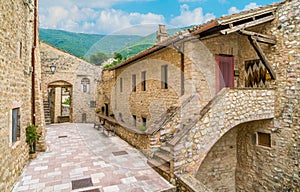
(174,121)
(47,112)
(176,154)
(163,162)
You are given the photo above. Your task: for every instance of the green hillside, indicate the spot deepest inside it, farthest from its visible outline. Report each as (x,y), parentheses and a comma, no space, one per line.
(83,45)
(75,43)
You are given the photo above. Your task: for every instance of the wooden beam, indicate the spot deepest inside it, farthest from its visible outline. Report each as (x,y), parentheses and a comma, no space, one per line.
(260,37)
(248,24)
(247,15)
(265,40)
(262,56)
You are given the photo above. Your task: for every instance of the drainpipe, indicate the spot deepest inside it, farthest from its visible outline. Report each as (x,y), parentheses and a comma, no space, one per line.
(182,68)
(33,60)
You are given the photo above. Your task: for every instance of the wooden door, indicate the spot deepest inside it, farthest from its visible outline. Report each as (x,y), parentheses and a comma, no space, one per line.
(224,72)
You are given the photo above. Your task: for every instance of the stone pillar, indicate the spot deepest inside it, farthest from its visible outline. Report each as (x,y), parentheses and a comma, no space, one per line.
(57,105)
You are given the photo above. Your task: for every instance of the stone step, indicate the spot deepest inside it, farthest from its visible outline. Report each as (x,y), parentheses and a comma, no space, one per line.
(166,157)
(165,149)
(155,163)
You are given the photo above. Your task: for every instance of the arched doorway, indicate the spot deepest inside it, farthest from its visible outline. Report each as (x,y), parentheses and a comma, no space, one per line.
(60,101)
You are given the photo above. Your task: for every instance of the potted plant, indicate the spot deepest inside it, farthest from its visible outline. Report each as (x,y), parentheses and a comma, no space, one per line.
(32,136)
(97,110)
(143,128)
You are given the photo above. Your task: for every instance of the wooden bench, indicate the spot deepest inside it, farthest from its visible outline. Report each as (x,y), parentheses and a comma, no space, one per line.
(97,126)
(108,124)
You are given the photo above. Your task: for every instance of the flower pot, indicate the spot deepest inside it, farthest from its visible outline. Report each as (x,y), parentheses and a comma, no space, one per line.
(32,155)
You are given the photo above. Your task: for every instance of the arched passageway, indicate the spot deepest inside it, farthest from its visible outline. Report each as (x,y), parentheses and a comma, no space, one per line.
(60,101)
(235,161)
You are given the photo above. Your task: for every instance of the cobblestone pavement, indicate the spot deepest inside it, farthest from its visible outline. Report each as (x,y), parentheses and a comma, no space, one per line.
(80,158)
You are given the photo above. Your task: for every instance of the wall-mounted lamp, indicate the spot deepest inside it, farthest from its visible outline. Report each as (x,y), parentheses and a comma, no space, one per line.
(52,68)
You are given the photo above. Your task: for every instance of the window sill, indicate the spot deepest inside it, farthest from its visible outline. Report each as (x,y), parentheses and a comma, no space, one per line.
(16,144)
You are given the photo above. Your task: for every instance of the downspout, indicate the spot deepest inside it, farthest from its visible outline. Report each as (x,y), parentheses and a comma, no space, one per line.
(33,60)
(182,68)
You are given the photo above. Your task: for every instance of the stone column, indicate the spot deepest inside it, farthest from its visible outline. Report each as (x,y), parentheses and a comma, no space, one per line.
(57,106)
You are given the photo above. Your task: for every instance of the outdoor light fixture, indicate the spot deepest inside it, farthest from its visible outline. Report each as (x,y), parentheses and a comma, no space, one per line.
(52,68)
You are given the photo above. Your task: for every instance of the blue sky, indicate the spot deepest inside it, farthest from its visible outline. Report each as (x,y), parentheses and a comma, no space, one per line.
(139,17)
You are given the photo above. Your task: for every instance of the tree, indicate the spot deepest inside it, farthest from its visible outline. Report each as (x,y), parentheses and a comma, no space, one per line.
(118,56)
(98,58)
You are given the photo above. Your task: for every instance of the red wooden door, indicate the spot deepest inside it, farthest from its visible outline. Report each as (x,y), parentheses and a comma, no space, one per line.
(224,72)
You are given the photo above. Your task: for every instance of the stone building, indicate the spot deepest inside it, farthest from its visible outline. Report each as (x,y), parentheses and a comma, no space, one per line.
(20,77)
(69,92)
(215,107)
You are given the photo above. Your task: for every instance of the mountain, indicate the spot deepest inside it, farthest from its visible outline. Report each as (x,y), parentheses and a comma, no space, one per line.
(83,45)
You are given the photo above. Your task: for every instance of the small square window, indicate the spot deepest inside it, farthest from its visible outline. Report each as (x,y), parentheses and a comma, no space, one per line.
(264,139)
(92,104)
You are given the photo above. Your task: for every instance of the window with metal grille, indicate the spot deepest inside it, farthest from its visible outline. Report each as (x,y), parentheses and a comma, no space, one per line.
(143,83)
(85,85)
(92,104)
(16,128)
(164,77)
(264,139)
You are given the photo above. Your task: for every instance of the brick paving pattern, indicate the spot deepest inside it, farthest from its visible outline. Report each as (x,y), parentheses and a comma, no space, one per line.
(79,152)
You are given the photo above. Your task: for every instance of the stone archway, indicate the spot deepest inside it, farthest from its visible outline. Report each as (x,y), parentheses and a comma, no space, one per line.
(234,162)
(60,101)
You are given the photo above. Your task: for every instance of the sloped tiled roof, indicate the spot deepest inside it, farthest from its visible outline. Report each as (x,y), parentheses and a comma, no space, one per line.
(221,22)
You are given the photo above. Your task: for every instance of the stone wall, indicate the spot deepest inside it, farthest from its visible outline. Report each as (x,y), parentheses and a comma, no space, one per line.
(217,171)
(72,70)
(231,107)
(16,41)
(277,169)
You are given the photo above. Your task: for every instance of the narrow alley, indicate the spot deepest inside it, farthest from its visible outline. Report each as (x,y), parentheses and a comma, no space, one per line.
(81,158)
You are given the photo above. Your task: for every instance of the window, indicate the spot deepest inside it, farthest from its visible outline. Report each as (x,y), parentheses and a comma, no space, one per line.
(16,130)
(134,120)
(144,121)
(106,109)
(92,104)
(134,83)
(121,117)
(121,85)
(20,50)
(143,84)
(85,85)
(164,77)
(264,139)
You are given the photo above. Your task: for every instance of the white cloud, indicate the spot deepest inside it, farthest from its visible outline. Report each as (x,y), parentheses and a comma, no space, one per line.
(233,10)
(222,1)
(191,17)
(86,3)
(115,21)
(251,5)
(89,20)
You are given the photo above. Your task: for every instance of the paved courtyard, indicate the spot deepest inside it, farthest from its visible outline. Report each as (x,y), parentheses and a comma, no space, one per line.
(81,158)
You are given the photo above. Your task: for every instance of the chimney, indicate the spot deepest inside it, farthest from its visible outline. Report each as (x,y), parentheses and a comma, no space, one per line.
(161,34)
